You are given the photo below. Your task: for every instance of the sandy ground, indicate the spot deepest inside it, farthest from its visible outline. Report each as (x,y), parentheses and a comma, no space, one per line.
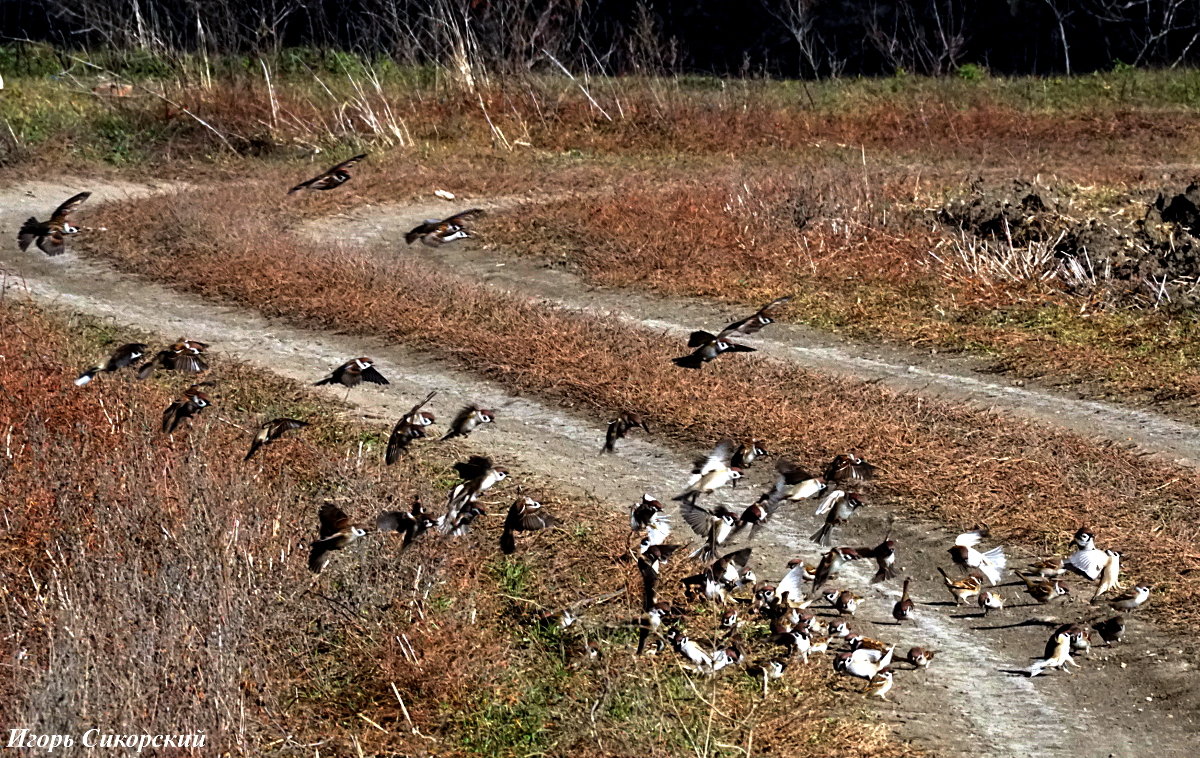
(1140,698)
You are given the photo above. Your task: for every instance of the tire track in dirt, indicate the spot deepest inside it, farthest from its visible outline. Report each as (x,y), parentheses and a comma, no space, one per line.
(382,229)
(965,704)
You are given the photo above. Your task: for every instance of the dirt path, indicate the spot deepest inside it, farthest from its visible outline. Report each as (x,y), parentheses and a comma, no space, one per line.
(958,378)
(1142,698)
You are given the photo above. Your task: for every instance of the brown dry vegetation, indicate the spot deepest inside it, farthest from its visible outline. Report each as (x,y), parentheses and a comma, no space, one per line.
(159,585)
(961,466)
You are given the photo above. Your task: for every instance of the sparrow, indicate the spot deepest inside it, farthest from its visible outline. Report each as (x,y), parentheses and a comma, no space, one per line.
(524,515)
(879,685)
(1081,639)
(830,563)
(904,606)
(646,513)
(123,356)
(1110,575)
(964,554)
(468,420)
(1132,600)
(1048,568)
(990,601)
(747,454)
(1084,539)
(192,402)
(271,431)
(707,348)
(1088,561)
(919,657)
(690,651)
(711,473)
(186,356)
(767,671)
(964,589)
(725,573)
(620,426)
(726,656)
(863,663)
(800,643)
(791,587)
(1110,630)
(334,177)
(1059,657)
(50,235)
(844,602)
(478,475)
(848,468)
(1042,590)
(410,525)
(411,426)
(792,483)
(884,555)
(335,532)
(656,554)
(714,526)
(461,522)
(761,318)
(353,372)
(755,517)
(838,515)
(434,232)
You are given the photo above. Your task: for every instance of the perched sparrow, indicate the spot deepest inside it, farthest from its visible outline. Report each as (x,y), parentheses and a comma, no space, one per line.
(411,426)
(334,177)
(271,431)
(478,475)
(186,356)
(523,516)
(468,420)
(792,484)
(830,563)
(620,426)
(352,373)
(884,555)
(1084,539)
(335,532)
(767,671)
(1110,630)
(714,526)
(752,324)
(903,607)
(747,454)
(707,347)
(1132,600)
(848,468)
(434,232)
(690,651)
(844,602)
(50,235)
(964,554)
(919,657)
(862,663)
(192,402)
(837,516)
(879,685)
(711,473)
(799,642)
(1059,657)
(964,590)
(123,356)
(411,525)
(1042,590)
(1081,639)
(990,601)
(726,656)
(1110,575)
(1048,568)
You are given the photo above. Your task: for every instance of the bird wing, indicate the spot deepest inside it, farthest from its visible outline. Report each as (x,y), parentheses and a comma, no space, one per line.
(733,347)
(51,244)
(458,218)
(333,520)
(474,467)
(370,374)
(649,583)
(280,425)
(1088,562)
(774,305)
(968,539)
(61,212)
(697,517)
(737,558)
(413,413)
(393,521)
(790,472)
(533,520)
(792,583)
(346,164)
(719,457)
(701,337)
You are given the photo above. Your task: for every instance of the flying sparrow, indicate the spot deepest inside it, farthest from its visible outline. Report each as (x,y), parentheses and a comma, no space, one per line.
(192,402)
(186,356)
(838,515)
(271,431)
(747,453)
(707,348)
(830,563)
(711,473)
(884,555)
(411,426)
(468,420)
(620,426)
(964,554)
(848,468)
(336,532)
(434,232)
(123,356)
(50,235)
(525,515)
(752,324)
(352,373)
(334,177)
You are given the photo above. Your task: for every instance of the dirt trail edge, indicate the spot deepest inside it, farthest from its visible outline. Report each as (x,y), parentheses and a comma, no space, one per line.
(956,378)
(1140,698)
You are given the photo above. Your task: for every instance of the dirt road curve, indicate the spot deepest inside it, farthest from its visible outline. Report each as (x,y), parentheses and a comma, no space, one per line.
(1141,698)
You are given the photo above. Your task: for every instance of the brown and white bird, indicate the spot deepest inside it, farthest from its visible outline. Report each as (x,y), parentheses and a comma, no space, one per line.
(123,356)
(751,324)
(963,590)
(1110,630)
(844,602)
(331,179)
(919,657)
(409,524)
(879,685)
(904,606)
(1110,575)
(271,431)
(711,473)
(839,514)
(50,235)
(1042,590)
(1048,568)
(990,600)
(525,515)
(884,555)
(1133,599)
(335,532)
(714,526)
(829,565)
(964,554)
(468,420)
(434,232)
(192,402)
(185,356)
(478,475)
(1059,657)
(792,484)
(620,426)
(707,347)
(353,373)
(747,453)
(863,663)
(848,468)
(411,426)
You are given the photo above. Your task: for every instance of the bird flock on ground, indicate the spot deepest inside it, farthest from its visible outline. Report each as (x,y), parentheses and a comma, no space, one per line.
(806,612)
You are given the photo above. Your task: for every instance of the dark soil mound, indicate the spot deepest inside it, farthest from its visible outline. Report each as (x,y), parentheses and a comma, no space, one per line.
(1020,211)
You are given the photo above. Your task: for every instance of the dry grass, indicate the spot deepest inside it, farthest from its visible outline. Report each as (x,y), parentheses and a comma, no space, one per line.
(155,584)
(960,466)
